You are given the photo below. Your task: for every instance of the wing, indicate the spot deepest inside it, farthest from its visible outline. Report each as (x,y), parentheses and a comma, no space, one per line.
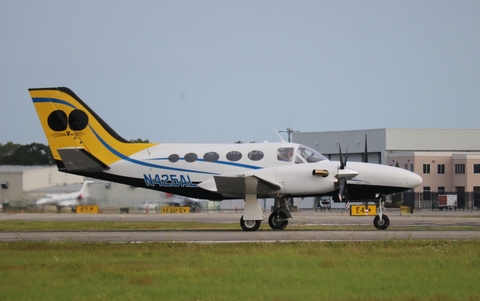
(236,186)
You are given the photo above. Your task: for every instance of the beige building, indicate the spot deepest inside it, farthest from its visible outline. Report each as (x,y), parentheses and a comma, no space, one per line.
(23,185)
(20,183)
(442,171)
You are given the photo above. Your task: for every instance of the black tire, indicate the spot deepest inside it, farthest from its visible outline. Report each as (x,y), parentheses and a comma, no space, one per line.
(381,225)
(249,225)
(277,220)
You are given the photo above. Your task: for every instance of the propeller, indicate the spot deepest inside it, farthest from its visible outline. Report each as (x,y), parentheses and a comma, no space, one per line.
(365,154)
(341,180)
(343,175)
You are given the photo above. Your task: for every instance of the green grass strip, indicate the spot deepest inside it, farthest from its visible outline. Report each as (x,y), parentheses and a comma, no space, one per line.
(377,270)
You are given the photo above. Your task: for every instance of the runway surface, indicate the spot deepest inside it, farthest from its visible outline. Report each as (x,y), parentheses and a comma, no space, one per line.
(397,222)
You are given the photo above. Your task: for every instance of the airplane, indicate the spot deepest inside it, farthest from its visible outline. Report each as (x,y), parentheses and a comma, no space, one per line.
(83,144)
(180,201)
(62,200)
(171,200)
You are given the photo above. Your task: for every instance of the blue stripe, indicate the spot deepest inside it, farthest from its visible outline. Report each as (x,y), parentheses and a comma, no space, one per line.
(63,102)
(220,162)
(126,158)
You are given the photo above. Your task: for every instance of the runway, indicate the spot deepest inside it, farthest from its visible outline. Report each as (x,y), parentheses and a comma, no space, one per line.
(395,232)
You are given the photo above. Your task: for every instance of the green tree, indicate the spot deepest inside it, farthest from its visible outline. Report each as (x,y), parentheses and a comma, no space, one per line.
(139,140)
(29,154)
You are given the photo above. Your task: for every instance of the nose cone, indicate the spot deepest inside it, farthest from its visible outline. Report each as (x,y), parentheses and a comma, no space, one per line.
(414,180)
(347,173)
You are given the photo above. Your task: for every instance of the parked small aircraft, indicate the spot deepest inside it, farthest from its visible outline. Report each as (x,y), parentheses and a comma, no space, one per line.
(83,144)
(62,200)
(178,200)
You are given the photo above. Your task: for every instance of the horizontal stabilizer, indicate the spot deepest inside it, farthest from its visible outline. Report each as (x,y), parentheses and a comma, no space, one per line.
(79,160)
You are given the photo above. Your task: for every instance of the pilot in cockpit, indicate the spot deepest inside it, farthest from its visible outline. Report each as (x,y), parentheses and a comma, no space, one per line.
(285,154)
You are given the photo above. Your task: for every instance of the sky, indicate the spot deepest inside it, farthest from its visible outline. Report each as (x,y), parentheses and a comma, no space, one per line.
(225,71)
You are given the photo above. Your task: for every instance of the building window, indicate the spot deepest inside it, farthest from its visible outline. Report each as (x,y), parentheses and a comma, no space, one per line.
(426,168)
(441,189)
(406,166)
(459,169)
(441,169)
(411,167)
(426,193)
(476,168)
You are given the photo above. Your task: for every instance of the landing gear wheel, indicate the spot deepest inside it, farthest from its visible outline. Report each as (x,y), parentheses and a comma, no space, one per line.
(277,220)
(249,225)
(383,224)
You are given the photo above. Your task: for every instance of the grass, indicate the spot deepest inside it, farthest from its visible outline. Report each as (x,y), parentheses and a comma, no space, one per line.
(18,226)
(377,270)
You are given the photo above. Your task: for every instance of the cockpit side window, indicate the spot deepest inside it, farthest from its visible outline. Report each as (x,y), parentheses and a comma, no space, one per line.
(285,154)
(298,160)
(309,154)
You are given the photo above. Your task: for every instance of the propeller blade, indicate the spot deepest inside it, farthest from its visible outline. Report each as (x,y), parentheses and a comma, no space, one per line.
(341,188)
(342,163)
(346,156)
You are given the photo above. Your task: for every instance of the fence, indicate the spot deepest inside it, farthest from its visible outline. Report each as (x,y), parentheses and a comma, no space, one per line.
(429,200)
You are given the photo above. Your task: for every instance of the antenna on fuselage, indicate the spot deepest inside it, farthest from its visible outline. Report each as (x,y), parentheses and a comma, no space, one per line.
(276,132)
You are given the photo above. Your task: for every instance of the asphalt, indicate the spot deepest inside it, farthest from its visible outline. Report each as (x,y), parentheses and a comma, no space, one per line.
(446,219)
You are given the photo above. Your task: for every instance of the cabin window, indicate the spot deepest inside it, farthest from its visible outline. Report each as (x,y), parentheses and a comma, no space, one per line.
(310,155)
(191,157)
(173,158)
(285,154)
(298,160)
(211,157)
(234,156)
(255,155)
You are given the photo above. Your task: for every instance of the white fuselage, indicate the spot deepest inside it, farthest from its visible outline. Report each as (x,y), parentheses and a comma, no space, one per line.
(189,170)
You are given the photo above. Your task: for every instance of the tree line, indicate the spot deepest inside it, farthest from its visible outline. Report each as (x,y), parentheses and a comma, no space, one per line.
(32,154)
(28,154)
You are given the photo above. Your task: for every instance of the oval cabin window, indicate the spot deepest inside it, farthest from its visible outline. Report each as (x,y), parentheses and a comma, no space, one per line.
(234,156)
(173,158)
(211,157)
(255,155)
(191,157)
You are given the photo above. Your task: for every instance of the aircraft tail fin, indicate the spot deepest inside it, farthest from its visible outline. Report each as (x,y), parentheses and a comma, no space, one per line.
(80,141)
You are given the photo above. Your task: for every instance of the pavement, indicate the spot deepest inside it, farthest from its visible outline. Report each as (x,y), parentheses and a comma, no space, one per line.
(454,219)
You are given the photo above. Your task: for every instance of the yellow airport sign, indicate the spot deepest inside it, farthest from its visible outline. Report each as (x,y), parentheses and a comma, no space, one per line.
(87,209)
(175,209)
(359,210)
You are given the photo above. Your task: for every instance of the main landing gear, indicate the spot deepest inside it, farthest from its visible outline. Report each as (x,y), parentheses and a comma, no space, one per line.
(278,220)
(250,225)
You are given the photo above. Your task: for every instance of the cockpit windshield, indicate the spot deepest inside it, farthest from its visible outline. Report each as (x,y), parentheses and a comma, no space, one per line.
(310,155)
